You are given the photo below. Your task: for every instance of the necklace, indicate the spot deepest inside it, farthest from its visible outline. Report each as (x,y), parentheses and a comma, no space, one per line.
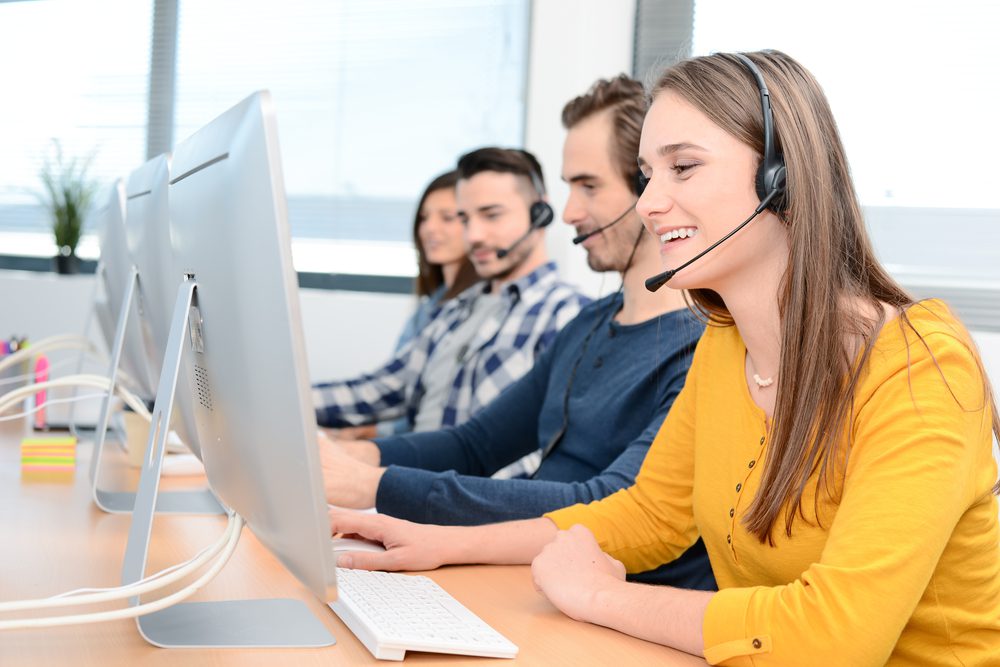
(762,383)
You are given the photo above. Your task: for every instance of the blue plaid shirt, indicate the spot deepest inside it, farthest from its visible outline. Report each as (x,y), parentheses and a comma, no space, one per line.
(501,351)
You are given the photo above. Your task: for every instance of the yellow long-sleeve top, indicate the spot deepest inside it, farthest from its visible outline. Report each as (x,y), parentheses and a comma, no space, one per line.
(904,569)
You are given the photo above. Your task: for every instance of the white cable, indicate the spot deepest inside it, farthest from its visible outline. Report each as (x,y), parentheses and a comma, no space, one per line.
(141,609)
(93,381)
(162,579)
(137,404)
(30,377)
(83,380)
(48,402)
(60,342)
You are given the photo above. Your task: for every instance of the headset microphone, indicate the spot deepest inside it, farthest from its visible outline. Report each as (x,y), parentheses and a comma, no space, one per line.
(503,252)
(583,237)
(660,279)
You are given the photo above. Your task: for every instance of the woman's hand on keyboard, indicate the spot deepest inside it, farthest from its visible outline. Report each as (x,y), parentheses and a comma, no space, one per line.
(408,546)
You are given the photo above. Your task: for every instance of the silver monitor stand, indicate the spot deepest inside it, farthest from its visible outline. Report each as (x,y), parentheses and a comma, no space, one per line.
(227,624)
(195,501)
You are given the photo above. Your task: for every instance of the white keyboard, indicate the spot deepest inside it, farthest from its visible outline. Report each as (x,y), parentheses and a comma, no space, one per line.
(395,613)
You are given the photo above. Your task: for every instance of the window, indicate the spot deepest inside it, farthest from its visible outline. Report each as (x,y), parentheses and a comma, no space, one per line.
(77,75)
(912,86)
(374,98)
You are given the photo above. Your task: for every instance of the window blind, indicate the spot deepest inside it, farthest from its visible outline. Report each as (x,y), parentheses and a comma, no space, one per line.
(75,72)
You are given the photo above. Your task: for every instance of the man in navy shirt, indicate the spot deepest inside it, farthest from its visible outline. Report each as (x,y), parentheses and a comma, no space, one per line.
(594,399)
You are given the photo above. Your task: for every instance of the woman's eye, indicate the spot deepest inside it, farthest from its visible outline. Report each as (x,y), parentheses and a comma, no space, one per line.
(680,167)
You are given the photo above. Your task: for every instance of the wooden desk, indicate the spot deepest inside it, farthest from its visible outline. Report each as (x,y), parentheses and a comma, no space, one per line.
(54,539)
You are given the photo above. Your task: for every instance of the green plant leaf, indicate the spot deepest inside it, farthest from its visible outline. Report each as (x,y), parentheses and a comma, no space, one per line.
(67,193)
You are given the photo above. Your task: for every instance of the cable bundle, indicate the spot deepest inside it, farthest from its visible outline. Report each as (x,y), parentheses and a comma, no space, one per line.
(214,556)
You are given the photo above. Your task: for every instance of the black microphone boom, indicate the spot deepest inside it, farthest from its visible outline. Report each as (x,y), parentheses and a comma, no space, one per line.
(583,237)
(660,279)
(503,252)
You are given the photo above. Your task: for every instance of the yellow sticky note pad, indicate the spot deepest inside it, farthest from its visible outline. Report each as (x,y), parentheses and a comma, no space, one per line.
(50,458)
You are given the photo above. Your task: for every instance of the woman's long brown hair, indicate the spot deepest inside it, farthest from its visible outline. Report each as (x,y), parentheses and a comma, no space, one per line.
(831,266)
(431,276)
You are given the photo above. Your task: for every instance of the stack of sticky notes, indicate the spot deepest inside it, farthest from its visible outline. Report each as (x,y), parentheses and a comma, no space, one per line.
(49,458)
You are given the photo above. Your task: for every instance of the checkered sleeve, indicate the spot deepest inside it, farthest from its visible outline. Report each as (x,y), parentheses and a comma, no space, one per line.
(379,396)
(538,316)
(543,320)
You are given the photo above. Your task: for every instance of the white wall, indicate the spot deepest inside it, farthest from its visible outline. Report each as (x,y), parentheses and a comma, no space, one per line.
(573,43)
(38,305)
(349,333)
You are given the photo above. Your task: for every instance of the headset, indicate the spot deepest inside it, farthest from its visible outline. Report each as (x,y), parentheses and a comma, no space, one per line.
(540,214)
(769,181)
(541,211)
(638,183)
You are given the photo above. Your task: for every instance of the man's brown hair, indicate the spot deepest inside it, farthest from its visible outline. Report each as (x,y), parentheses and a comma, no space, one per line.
(626,99)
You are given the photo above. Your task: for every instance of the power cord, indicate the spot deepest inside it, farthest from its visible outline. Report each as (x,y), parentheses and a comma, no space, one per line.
(85,380)
(59,342)
(228,542)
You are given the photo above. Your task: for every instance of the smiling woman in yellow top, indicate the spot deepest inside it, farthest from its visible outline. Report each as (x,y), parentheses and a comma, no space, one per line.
(902,559)
(832,444)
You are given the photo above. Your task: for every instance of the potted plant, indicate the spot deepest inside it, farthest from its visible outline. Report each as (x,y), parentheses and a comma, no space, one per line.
(67,195)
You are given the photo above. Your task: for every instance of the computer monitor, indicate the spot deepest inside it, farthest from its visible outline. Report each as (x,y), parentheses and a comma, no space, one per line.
(239,317)
(116,277)
(250,393)
(147,216)
(131,350)
(113,283)
(147,219)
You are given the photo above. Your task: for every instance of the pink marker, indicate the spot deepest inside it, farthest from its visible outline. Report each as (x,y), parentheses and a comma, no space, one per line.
(41,375)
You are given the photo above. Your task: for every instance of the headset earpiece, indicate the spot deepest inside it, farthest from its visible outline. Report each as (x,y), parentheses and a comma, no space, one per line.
(639,182)
(771,172)
(541,214)
(771,177)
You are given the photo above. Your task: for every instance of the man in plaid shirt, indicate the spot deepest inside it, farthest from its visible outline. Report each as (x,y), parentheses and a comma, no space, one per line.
(487,337)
